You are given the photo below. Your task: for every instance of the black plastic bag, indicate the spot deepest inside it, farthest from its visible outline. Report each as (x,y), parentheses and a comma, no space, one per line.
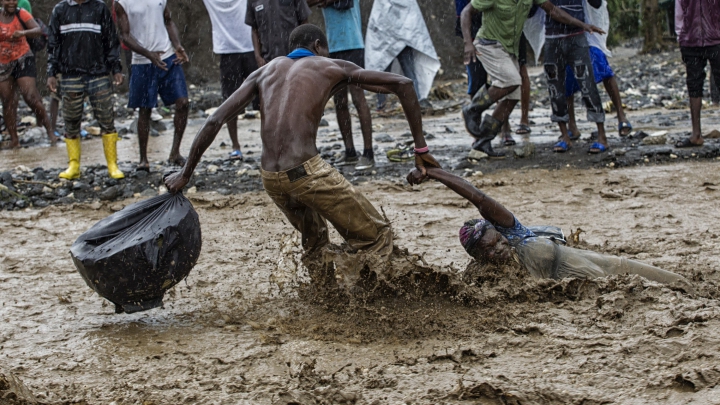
(133,256)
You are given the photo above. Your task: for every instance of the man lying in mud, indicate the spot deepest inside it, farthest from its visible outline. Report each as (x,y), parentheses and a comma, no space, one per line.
(500,238)
(293,91)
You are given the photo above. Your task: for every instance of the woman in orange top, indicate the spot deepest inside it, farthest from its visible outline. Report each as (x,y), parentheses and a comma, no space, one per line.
(17,68)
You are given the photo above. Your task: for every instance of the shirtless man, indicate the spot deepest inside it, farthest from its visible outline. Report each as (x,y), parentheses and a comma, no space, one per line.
(499,237)
(293,91)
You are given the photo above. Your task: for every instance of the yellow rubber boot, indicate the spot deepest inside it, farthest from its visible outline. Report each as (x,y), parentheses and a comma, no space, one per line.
(110,148)
(73,150)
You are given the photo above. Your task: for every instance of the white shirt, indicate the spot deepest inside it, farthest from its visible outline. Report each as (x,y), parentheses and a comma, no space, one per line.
(147,25)
(230,33)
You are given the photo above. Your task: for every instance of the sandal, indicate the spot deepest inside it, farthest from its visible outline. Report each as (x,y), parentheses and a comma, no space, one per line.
(597,148)
(400,155)
(508,140)
(623,125)
(686,143)
(570,135)
(561,147)
(523,129)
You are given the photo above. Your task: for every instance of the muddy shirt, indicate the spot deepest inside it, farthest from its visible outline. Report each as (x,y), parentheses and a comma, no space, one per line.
(274,21)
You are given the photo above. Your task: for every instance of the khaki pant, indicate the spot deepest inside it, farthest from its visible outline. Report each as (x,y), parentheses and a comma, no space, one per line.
(502,68)
(325,194)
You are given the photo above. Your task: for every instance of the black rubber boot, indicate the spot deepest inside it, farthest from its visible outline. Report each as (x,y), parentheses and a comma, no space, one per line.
(489,129)
(472,113)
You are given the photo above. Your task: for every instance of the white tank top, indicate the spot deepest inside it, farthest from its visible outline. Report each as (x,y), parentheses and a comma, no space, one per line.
(147,25)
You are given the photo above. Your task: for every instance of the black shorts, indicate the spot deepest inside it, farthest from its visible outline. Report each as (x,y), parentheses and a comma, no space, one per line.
(356,56)
(23,67)
(695,59)
(234,69)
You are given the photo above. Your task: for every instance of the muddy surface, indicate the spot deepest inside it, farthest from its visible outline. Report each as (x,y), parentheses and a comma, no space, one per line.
(239,330)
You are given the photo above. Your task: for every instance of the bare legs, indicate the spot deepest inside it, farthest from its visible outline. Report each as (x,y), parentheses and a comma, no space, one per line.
(232,130)
(182,108)
(32,98)
(343,116)
(524,96)
(695,108)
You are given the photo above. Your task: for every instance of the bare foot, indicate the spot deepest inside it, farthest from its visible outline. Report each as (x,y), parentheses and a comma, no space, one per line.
(177,160)
(143,167)
(53,139)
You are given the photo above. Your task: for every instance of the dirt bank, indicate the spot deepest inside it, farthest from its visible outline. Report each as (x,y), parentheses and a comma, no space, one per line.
(236,331)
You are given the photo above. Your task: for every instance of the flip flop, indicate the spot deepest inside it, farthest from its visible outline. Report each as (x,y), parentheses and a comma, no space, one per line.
(686,143)
(624,125)
(597,148)
(570,135)
(400,155)
(523,129)
(508,140)
(561,147)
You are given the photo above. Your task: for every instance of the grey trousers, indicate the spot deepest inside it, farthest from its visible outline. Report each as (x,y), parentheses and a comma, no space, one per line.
(573,51)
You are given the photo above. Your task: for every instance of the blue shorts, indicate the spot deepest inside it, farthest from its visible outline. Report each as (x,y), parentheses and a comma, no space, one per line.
(147,81)
(601,69)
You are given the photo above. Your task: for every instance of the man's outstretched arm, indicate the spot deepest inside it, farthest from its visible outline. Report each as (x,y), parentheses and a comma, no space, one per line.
(558,14)
(403,88)
(230,109)
(490,209)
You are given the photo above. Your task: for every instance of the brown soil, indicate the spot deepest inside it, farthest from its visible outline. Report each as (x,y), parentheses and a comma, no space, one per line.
(241,330)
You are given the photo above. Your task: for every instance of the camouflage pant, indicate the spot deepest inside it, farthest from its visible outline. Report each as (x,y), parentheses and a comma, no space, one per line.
(99,90)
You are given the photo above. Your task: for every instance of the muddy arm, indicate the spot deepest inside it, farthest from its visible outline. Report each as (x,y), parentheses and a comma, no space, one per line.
(490,209)
(558,14)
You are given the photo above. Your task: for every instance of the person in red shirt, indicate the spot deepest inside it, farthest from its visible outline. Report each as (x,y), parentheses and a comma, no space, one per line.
(17,68)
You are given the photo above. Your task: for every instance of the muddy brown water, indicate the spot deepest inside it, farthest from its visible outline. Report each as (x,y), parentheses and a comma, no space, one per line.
(236,331)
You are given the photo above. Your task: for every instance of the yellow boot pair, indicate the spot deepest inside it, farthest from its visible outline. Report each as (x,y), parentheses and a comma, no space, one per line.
(110,148)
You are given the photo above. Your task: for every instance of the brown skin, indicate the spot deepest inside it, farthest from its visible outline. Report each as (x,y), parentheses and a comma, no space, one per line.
(695,108)
(26,85)
(182,106)
(341,103)
(614,92)
(494,246)
(505,107)
(293,94)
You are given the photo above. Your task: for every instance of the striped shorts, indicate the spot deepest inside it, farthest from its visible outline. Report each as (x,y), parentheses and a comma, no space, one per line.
(98,89)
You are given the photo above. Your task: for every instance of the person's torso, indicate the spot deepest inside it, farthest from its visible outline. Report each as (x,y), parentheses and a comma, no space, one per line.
(13,48)
(81,37)
(147,26)
(556,29)
(344,28)
(230,33)
(700,22)
(504,23)
(275,20)
(292,101)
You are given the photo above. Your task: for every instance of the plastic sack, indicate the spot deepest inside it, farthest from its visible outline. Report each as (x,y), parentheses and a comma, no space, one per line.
(133,256)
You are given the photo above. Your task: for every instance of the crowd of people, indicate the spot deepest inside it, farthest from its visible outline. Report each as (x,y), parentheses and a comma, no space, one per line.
(85,39)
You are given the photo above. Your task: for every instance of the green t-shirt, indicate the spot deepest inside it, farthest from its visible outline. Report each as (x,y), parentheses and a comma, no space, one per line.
(503,21)
(25,5)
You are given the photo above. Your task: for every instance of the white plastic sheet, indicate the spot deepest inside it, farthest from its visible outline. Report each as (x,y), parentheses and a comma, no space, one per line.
(393,25)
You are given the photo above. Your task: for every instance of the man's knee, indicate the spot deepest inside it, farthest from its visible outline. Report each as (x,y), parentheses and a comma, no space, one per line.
(551,71)
(341,100)
(182,104)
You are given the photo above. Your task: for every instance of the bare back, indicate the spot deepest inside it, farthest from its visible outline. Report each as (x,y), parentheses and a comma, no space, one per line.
(293,94)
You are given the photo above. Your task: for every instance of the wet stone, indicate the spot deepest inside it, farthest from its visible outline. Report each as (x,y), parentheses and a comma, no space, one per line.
(140,174)
(21,203)
(6,179)
(384,138)
(149,192)
(109,194)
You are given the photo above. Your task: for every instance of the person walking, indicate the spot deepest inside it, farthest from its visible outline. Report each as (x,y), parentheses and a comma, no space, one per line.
(272,21)
(233,42)
(84,48)
(18,69)
(147,28)
(343,26)
(497,46)
(697,23)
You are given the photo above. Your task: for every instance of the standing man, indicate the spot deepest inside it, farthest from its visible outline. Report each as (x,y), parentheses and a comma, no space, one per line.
(698,30)
(272,21)
(497,45)
(83,46)
(344,33)
(233,42)
(146,27)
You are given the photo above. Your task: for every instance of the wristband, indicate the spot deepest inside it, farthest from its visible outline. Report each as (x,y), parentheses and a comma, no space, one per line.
(420,151)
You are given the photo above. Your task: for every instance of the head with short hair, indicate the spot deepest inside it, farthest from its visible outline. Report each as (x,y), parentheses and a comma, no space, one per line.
(310,37)
(483,242)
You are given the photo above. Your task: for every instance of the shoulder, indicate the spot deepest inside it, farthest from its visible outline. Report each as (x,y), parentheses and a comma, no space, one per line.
(515,233)
(24,15)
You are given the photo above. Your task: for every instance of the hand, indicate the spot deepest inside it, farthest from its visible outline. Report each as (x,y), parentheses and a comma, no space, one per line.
(156,59)
(260,61)
(591,28)
(470,53)
(416,177)
(52,84)
(119,77)
(425,160)
(18,34)
(175,182)
(181,56)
